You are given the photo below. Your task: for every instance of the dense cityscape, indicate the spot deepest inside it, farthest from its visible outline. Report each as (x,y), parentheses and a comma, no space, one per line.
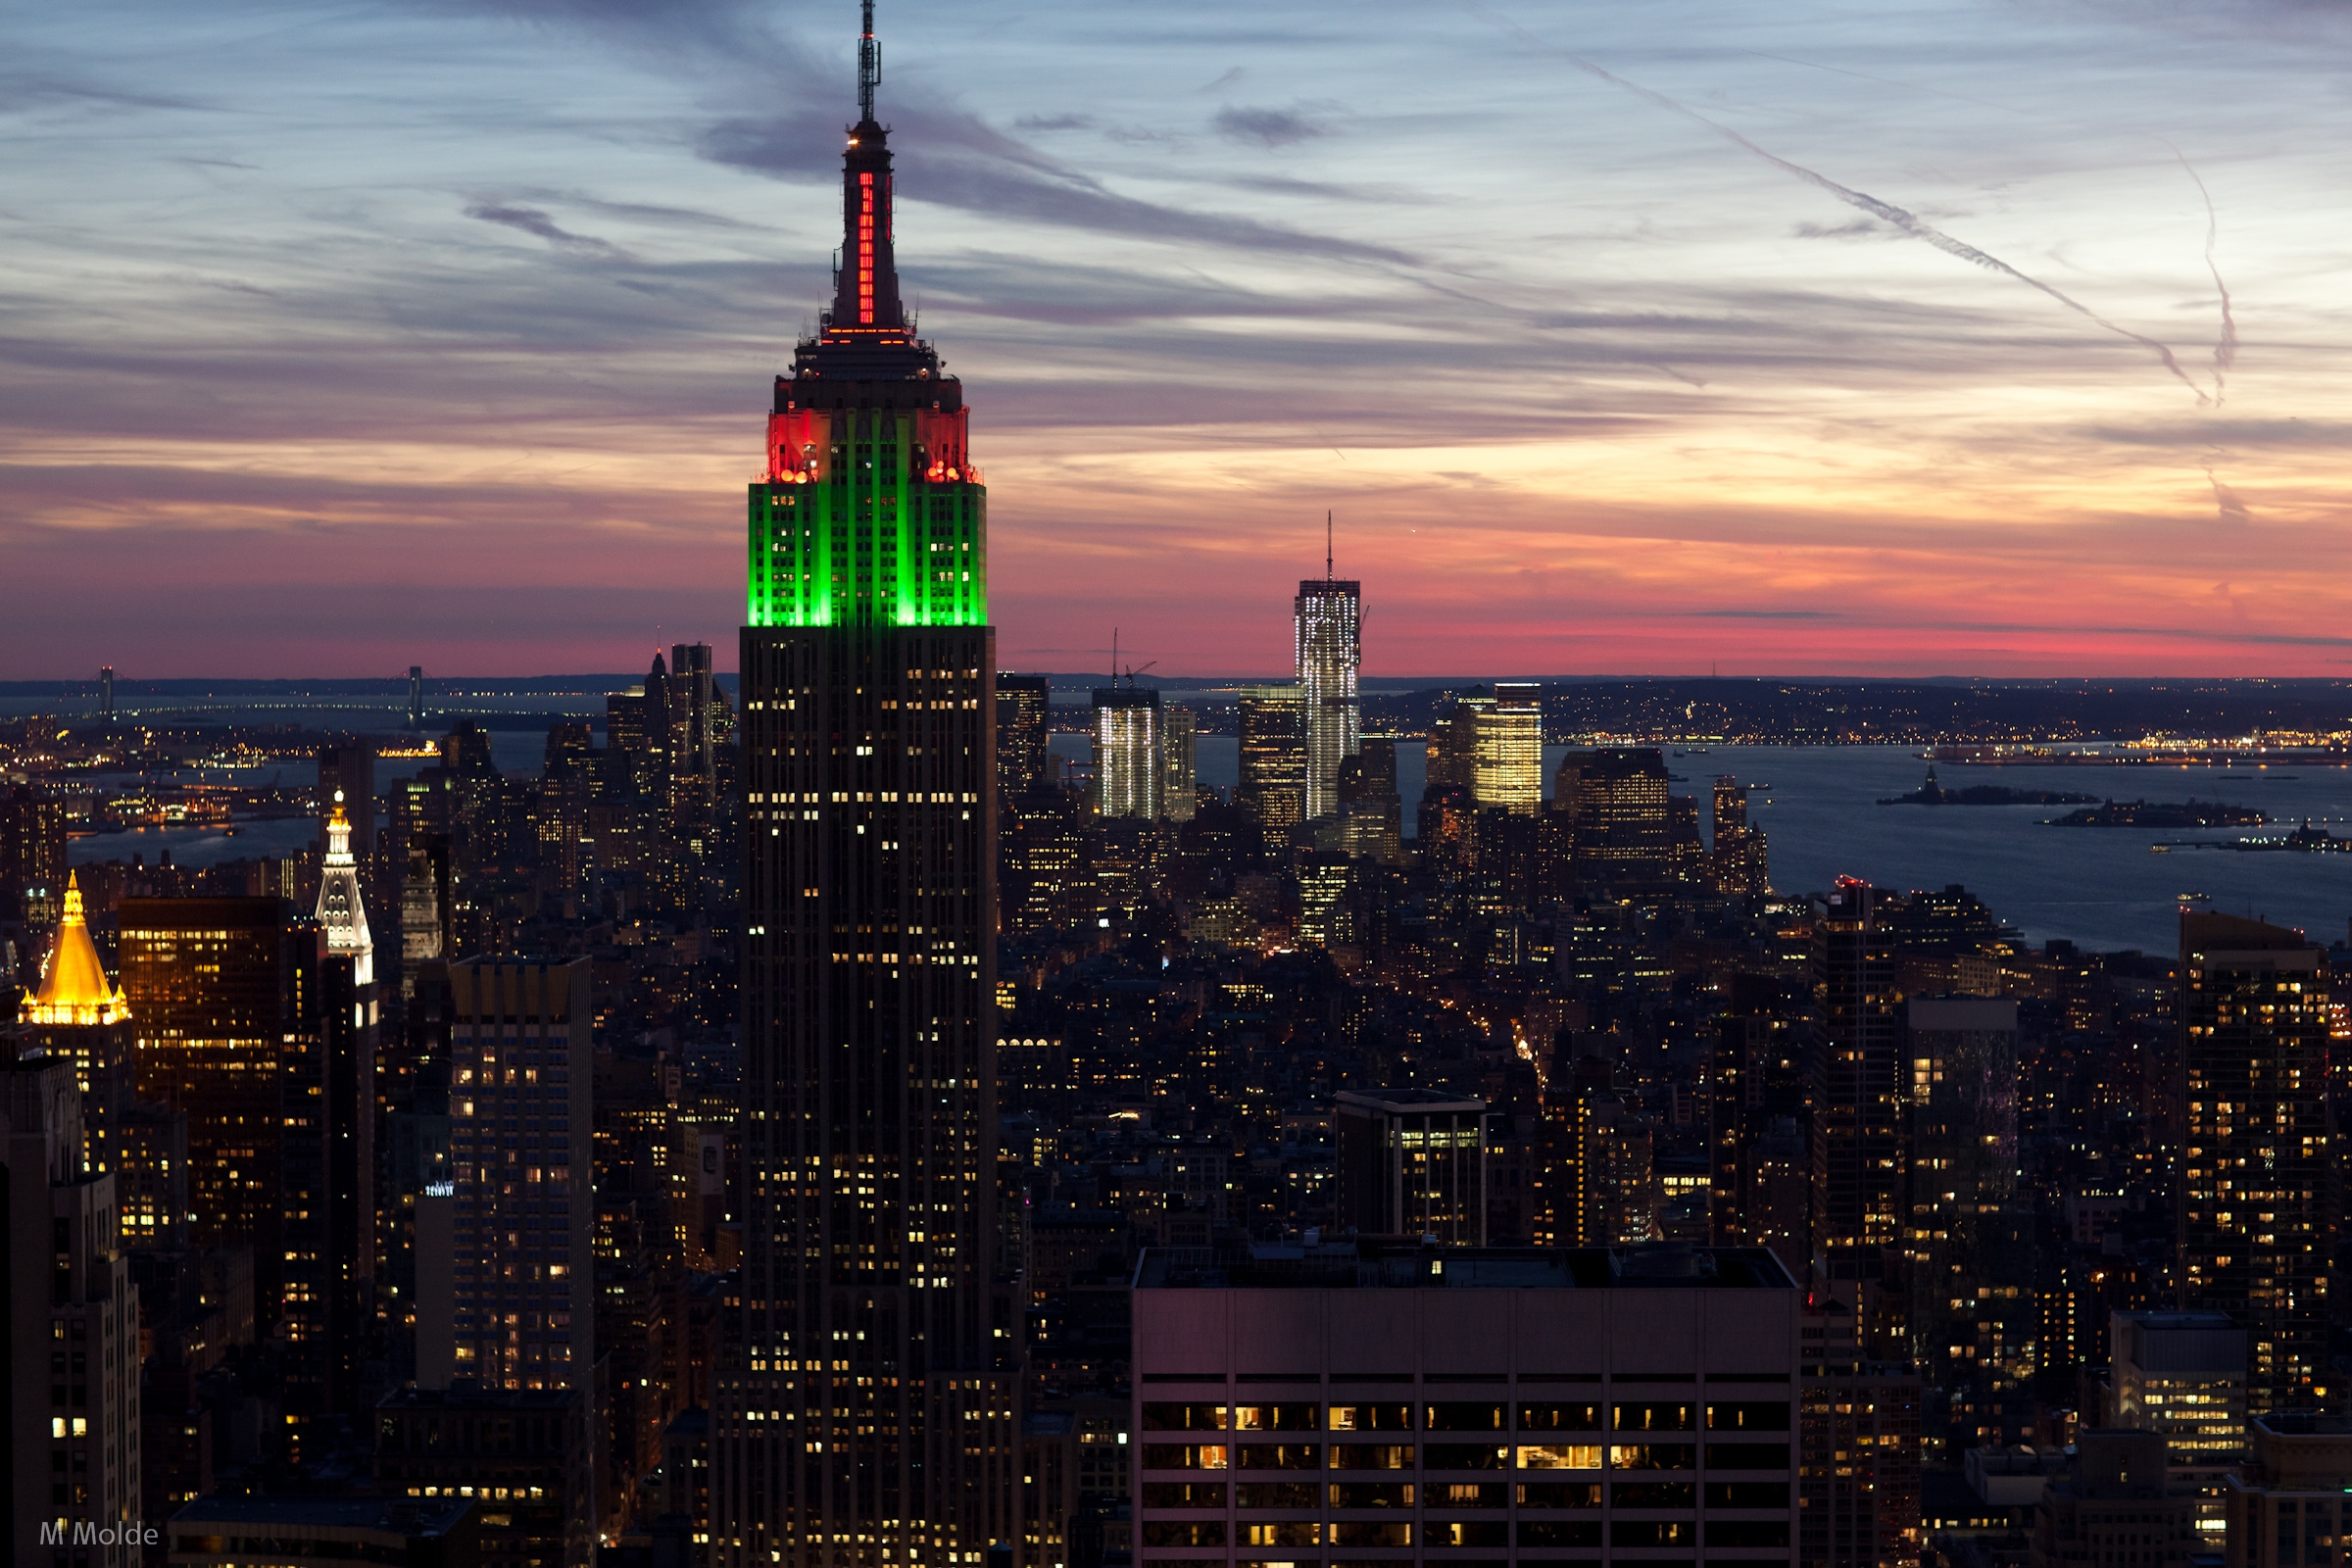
(804,1116)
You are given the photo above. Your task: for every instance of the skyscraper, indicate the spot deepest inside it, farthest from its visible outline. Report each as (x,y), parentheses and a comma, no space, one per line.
(1507,755)
(77,1017)
(698,711)
(70,1440)
(869,1417)
(1272,787)
(1758,1086)
(1971,1285)
(105,693)
(1179,764)
(207,987)
(1328,636)
(2255,1166)
(1369,801)
(1737,859)
(1024,704)
(1619,826)
(327,1150)
(1860,1151)
(520,1067)
(1127,750)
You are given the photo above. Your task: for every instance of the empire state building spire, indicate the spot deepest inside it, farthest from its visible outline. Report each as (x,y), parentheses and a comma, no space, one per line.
(866,296)
(872,1418)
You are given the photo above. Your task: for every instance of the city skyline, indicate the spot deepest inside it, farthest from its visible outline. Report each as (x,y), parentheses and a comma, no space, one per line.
(1612,352)
(819,1119)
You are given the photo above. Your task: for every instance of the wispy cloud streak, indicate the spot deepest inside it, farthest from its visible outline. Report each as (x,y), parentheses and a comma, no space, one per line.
(1886,212)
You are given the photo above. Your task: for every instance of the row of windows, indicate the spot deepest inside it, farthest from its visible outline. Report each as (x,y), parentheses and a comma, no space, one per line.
(1163,1495)
(1680,1415)
(1465,1456)
(1631,1532)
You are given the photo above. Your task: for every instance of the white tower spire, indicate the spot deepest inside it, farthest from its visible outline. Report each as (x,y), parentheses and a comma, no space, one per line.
(340,913)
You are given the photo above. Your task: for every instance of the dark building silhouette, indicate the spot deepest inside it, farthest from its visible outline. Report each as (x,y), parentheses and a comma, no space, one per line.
(1758,1085)
(32,846)
(349,767)
(1971,1255)
(1860,1154)
(327,1152)
(1412,1162)
(1025,707)
(869,1416)
(1369,804)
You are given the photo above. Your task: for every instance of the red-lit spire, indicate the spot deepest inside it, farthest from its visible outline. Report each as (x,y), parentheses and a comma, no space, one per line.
(866,298)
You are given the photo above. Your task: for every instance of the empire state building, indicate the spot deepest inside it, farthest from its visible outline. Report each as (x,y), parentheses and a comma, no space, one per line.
(867,1417)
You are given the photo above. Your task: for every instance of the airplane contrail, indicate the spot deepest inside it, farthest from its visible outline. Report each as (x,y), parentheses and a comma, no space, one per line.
(2224,499)
(2224,351)
(1886,212)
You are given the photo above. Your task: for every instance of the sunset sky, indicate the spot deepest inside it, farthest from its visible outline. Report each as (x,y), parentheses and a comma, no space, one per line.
(1642,338)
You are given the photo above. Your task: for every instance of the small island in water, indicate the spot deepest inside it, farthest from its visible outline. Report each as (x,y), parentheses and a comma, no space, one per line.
(2163,813)
(1933,794)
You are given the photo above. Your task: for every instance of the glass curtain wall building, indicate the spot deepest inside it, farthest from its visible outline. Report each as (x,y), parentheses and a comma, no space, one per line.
(1328,616)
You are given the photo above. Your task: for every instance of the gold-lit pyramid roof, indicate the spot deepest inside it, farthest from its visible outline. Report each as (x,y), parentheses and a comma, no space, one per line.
(75,990)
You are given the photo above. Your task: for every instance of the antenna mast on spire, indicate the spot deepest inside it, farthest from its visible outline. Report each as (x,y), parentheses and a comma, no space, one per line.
(1327,544)
(869,66)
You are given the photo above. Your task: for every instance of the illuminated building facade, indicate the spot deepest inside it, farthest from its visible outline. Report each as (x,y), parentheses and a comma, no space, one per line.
(1328,637)
(1127,751)
(1272,786)
(32,845)
(1507,751)
(1620,825)
(2184,1375)
(870,1417)
(1179,764)
(1323,920)
(1737,862)
(520,1126)
(210,986)
(2255,1160)
(1404,1404)
(79,1017)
